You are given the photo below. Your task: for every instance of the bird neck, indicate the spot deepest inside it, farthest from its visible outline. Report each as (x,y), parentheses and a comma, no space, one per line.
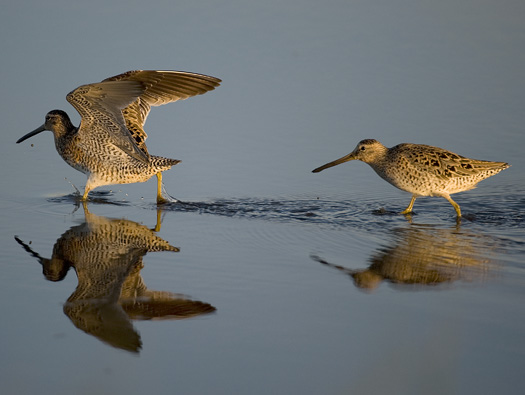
(63,130)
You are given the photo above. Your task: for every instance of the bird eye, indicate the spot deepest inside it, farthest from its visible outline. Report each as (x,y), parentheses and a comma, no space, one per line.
(362,148)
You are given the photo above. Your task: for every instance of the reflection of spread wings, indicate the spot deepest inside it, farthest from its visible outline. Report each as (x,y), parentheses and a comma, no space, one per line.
(107,256)
(119,105)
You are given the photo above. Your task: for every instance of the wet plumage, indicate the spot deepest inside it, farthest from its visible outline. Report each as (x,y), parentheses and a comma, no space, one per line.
(109,145)
(422,170)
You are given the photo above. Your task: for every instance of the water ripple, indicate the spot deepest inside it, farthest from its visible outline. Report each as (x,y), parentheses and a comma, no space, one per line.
(507,211)
(314,211)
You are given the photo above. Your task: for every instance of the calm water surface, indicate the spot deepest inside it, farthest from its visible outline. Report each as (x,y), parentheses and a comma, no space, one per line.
(266,278)
(262,295)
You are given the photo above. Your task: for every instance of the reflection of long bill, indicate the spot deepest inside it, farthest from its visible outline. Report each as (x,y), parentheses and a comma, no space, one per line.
(346,158)
(423,257)
(107,255)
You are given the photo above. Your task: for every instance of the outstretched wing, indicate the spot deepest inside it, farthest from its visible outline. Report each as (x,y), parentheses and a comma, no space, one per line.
(159,87)
(100,106)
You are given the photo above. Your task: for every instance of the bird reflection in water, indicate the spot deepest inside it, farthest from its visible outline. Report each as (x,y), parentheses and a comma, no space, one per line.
(107,257)
(423,257)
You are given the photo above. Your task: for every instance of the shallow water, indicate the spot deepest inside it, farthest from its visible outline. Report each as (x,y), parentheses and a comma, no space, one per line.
(265,278)
(263,288)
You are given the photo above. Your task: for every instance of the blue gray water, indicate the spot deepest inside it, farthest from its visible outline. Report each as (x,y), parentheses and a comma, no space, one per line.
(265,278)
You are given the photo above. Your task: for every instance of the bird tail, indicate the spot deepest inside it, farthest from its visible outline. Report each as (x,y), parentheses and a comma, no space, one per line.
(163,163)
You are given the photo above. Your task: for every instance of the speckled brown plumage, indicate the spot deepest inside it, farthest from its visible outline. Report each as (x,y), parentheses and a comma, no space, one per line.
(422,170)
(107,256)
(109,145)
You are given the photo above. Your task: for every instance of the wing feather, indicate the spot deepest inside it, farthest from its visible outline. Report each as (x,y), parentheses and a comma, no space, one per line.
(445,164)
(100,106)
(159,87)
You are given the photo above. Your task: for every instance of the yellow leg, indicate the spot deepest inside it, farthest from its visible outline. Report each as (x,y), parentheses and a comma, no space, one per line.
(408,210)
(454,204)
(160,199)
(159,217)
(87,215)
(85,195)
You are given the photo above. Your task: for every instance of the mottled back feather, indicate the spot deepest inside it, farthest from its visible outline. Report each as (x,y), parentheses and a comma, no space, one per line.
(443,163)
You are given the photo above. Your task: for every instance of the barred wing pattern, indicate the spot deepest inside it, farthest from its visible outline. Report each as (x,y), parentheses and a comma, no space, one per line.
(159,87)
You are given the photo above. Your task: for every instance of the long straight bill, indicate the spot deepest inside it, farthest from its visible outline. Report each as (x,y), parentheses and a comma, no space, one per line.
(34,132)
(336,162)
